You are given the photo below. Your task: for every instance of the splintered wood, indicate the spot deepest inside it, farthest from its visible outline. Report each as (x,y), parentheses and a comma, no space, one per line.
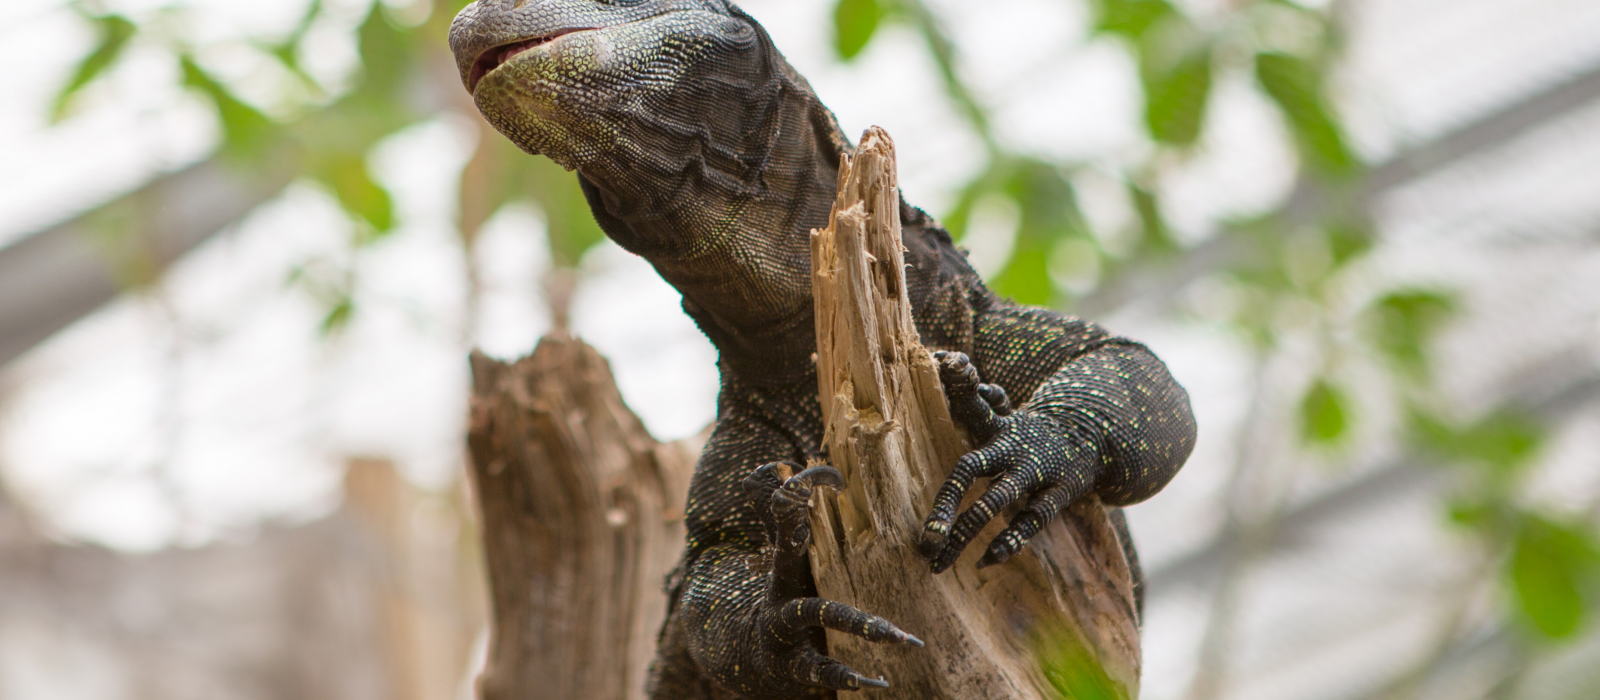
(582,516)
(1057,619)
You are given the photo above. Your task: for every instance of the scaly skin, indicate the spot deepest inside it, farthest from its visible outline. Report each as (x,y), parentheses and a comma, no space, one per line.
(700,149)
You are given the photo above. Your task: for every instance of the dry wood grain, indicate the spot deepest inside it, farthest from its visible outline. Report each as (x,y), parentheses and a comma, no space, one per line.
(1069,596)
(582,519)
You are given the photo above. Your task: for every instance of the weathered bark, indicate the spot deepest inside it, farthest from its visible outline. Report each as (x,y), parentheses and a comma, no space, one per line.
(1067,599)
(582,517)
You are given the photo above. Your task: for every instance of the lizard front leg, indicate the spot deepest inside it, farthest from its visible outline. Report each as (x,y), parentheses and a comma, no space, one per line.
(1110,421)
(1027,456)
(758,627)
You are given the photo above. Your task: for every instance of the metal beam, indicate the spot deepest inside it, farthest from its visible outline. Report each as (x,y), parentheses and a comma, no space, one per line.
(1559,388)
(1161,281)
(54,277)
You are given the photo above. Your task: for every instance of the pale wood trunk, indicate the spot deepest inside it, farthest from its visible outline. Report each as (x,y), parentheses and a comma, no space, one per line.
(1068,597)
(582,510)
(582,517)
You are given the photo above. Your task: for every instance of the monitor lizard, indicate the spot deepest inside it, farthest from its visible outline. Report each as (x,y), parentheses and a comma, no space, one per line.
(701,149)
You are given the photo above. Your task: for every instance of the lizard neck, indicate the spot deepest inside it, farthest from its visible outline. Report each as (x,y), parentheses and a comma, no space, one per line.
(724,211)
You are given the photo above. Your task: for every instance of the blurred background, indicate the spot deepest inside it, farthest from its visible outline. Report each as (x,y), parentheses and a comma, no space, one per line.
(246,246)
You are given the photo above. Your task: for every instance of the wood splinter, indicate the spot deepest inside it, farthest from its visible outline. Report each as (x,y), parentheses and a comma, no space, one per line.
(1057,619)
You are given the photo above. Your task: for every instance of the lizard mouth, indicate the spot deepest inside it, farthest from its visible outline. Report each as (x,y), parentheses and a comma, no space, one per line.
(497,56)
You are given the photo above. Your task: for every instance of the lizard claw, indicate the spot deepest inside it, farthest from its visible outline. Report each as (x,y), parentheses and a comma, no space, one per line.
(1028,458)
(790,621)
(763,480)
(995,396)
(820,475)
(871,682)
(977,407)
(768,478)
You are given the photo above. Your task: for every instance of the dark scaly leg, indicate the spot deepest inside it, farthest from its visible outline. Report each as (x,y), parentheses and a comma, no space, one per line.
(788,624)
(1026,455)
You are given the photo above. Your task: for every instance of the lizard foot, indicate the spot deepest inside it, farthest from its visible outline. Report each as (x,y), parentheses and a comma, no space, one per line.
(790,623)
(1027,456)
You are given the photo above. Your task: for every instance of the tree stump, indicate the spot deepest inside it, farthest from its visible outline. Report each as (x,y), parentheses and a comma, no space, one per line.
(582,517)
(582,510)
(1058,619)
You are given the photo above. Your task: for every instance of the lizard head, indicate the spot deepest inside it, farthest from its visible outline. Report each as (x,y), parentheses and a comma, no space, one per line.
(696,144)
(582,81)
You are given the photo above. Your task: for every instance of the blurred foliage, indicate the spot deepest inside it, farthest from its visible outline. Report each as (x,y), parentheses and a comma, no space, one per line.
(1286,272)
(1175,61)
(1401,323)
(326,132)
(1324,413)
(1296,85)
(1500,445)
(1074,672)
(246,132)
(854,22)
(1552,566)
(1291,280)
(1551,562)
(503,174)
(326,140)
(114,31)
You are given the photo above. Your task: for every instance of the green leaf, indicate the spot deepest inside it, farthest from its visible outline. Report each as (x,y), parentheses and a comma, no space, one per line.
(1504,442)
(854,22)
(246,131)
(1402,323)
(115,31)
(1049,203)
(1131,18)
(1348,241)
(1297,85)
(1156,235)
(1026,278)
(1550,566)
(1074,672)
(1324,416)
(1177,85)
(346,174)
(1049,216)
(1471,513)
(338,317)
(1430,432)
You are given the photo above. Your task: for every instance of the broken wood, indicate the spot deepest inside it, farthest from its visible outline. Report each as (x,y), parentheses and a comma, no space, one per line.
(1057,619)
(582,519)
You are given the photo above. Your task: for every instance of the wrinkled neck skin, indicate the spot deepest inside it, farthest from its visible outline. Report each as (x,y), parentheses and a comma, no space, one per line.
(697,144)
(722,204)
